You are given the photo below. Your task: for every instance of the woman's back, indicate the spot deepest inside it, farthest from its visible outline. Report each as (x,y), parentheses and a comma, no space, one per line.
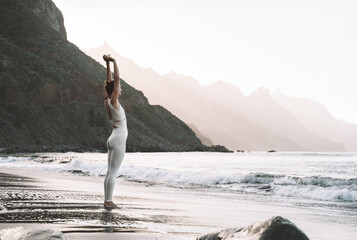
(116,116)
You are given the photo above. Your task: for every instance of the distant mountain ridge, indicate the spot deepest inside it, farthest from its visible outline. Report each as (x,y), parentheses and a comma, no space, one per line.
(221,113)
(51,93)
(319,120)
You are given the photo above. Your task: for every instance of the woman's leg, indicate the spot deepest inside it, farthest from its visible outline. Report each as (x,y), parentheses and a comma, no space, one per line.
(106,176)
(115,158)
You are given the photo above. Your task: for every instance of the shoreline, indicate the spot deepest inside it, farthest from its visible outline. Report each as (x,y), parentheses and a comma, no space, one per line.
(73,203)
(53,203)
(81,148)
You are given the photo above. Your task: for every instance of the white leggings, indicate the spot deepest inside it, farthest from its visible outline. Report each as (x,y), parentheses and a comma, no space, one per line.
(116,145)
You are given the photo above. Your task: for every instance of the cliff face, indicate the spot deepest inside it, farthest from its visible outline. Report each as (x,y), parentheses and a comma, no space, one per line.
(47,11)
(44,10)
(51,96)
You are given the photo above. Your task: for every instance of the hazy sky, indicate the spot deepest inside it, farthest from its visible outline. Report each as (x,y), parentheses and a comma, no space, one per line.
(305,48)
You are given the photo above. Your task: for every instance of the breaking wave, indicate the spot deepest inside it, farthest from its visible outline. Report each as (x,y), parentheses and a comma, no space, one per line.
(315,187)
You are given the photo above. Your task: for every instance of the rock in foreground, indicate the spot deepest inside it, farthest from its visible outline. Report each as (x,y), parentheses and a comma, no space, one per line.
(30,234)
(275,228)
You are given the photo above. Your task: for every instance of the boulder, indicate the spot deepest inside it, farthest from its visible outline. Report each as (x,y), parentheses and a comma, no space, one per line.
(275,228)
(24,233)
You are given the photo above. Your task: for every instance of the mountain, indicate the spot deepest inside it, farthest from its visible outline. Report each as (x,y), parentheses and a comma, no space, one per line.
(319,120)
(51,96)
(220,111)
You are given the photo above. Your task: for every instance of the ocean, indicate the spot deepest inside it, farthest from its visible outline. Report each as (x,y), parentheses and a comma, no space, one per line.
(319,177)
(323,184)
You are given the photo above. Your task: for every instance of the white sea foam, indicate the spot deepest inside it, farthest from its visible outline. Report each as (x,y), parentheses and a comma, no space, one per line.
(297,176)
(314,187)
(317,193)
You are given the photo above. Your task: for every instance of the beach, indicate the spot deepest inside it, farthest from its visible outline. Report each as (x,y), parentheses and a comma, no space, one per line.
(71,202)
(74,205)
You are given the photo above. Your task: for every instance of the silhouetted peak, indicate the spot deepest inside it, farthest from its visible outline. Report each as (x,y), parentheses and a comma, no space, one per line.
(260,92)
(182,79)
(305,104)
(221,84)
(225,87)
(150,70)
(171,74)
(278,93)
(105,45)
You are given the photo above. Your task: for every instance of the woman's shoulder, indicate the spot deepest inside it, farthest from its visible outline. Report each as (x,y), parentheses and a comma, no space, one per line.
(115,103)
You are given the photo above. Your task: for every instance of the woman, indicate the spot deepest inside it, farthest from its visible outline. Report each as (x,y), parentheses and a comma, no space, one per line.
(116,143)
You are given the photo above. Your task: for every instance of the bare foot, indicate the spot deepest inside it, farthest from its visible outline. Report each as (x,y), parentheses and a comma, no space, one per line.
(110,205)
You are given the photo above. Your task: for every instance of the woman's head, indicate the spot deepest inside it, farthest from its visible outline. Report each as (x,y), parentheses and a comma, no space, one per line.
(109,87)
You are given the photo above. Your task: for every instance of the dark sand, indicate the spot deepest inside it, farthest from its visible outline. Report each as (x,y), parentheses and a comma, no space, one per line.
(73,204)
(61,204)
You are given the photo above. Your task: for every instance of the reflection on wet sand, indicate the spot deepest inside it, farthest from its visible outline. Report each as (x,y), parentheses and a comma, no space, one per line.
(108,219)
(76,212)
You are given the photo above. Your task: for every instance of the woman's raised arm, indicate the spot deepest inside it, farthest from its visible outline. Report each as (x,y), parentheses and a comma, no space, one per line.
(116,71)
(117,88)
(109,74)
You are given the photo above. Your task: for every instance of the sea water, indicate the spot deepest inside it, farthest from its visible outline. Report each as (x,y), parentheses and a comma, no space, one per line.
(323,182)
(322,177)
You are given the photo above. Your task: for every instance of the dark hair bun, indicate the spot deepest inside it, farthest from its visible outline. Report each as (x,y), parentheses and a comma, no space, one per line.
(109,87)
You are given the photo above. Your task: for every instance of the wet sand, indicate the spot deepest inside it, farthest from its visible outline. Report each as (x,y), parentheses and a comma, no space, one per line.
(72,204)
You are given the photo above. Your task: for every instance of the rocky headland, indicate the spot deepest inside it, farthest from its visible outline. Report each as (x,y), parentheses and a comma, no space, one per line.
(51,95)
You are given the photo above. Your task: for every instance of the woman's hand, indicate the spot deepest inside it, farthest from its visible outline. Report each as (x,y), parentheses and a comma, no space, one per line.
(110,58)
(106,58)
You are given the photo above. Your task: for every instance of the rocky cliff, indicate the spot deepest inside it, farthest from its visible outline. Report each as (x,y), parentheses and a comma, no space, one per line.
(51,96)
